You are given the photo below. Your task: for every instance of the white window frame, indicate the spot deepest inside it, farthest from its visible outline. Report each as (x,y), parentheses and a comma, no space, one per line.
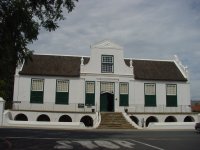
(37,85)
(123,88)
(107,87)
(150,89)
(171,89)
(62,85)
(107,63)
(90,87)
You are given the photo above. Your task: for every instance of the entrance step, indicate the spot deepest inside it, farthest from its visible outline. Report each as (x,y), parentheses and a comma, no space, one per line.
(114,121)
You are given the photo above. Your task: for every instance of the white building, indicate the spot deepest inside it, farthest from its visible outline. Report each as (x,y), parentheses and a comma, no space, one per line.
(158,90)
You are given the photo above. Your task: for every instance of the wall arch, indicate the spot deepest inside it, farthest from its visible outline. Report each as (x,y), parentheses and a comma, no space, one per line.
(87,120)
(170,119)
(151,119)
(65,118)
(21,117)
(43,117)
(135,119)
(189,119)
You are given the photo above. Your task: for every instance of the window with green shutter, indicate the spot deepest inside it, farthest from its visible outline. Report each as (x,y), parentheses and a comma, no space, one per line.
(171,95)
(90,93)
(37,91)
(123,94)
(150,94)
(62,92)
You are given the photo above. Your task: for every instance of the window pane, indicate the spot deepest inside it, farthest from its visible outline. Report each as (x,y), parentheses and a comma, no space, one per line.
(171,89)
(37,85)
(107,87)
(107,64)
(62,85)
(107,59)
(123,88)
(107,67)
(150,89)
(90,87)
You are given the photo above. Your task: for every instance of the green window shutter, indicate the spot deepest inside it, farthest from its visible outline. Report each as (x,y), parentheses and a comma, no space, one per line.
(150,100)
(37,91)
(150,94)
(171,101)
(90,99)
(62,98)
(90,93)
(171,95)
(62,92)
(123,100)
(36,97)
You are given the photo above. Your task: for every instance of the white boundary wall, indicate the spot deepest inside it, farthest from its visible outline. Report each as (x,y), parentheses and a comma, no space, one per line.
(142,118)
(9,119)
(172,125)
(35,124)
(1,110)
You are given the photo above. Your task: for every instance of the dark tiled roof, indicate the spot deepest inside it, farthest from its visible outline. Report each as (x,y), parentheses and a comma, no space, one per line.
(156,70)
(69,66)
(48,65)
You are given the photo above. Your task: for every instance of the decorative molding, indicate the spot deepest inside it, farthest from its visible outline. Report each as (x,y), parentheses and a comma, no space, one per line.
(183,69)
(131,63)
(106,44)
(82,61)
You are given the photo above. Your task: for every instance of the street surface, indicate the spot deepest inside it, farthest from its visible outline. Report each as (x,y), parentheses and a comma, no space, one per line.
(42,139)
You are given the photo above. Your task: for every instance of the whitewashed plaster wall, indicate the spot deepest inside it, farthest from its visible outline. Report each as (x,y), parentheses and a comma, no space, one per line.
(162,117)
(106,48)
(77,92)
(22,92)
(183,92)
(54,116)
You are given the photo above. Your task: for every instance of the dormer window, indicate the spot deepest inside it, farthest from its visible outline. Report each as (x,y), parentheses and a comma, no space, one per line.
(107,63)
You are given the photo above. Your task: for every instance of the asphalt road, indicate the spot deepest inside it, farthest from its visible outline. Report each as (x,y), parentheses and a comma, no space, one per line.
(42,139)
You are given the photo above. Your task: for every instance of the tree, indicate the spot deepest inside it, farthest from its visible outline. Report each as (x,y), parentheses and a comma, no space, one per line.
(20,23)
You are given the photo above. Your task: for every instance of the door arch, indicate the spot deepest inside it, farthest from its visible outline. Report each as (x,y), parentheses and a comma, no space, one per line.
(107,102)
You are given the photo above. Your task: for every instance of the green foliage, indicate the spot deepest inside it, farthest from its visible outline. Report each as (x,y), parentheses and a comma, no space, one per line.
(20,23)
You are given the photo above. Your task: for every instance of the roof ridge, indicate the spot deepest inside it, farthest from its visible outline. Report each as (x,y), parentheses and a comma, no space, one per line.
(58,55)
(163,60)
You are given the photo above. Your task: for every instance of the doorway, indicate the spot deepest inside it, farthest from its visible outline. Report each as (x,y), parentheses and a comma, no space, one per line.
(107,102)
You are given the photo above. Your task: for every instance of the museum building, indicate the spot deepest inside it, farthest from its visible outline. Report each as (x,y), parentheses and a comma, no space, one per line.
(86,86)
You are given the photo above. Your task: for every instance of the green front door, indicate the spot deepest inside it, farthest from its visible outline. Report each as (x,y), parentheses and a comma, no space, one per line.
(106,102)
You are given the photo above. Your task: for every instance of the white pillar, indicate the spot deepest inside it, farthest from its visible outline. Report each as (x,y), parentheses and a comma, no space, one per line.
(116,98)
(1,110)
(97,95)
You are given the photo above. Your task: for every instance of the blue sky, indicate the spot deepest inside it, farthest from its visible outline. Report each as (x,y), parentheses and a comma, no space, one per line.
(146,29)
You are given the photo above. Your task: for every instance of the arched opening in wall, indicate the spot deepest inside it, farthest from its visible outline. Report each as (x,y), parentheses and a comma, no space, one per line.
(87,120)
(134,119)
(43,117)
(65,118)
(188,119)
(151,119)
(171,119)
(21,117)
